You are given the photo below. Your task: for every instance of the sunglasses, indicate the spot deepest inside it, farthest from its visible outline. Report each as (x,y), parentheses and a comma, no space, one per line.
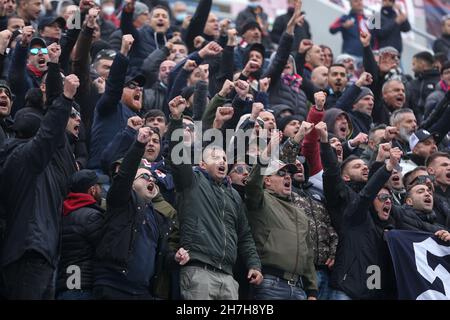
(146,177)
(75,114)
(284,173)
(422,179)
(132,85)
(241,169)
(383,197)
(35,51)
(190,126)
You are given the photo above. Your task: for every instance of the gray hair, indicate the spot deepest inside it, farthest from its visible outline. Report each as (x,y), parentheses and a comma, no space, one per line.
(397,115)
(387,83)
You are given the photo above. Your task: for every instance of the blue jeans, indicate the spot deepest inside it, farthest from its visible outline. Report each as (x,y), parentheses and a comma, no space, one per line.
(75,295)
(322,283)
(339,295)
(273,288)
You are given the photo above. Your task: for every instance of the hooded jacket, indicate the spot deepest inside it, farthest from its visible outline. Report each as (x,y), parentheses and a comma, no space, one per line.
(330,119)
(34,182)
(82,224)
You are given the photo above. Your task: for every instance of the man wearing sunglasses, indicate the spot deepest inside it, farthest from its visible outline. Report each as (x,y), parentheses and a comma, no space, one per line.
(281,234)
(349,193)
(121,100)
(128,251)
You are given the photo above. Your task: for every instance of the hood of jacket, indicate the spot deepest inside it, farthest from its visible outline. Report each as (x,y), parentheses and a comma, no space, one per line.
(331,116)
(75,201)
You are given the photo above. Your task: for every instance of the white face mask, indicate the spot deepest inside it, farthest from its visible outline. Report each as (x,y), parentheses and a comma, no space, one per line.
(108,10)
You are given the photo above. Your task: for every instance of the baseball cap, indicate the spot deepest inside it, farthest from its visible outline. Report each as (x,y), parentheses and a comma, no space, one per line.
(105,54)
(419,136)
(84,179)
(36,41)
(275,165)
(139,79)
(47,21)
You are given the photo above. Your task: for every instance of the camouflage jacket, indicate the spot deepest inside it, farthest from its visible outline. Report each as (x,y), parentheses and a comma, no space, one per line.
(323,237)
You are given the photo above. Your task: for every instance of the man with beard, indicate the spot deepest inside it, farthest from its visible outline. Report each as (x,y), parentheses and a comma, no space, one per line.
(337,82)
(375,137)
(418,214)
(122,99)
(5,111)
(405,122)
(395,185)
(438,165)
(349,193)
(423,144)
(81,230)
(156,91)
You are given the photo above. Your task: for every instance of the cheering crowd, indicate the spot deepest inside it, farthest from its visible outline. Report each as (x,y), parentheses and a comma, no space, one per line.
(110,188)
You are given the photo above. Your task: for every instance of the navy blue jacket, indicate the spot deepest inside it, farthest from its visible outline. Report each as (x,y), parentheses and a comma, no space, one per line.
(351,43)
(110,115)
(390,33)
(145,40)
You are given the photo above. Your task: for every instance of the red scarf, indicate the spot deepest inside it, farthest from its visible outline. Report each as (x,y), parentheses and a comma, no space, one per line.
(443,85)
(76,201)
(38,73)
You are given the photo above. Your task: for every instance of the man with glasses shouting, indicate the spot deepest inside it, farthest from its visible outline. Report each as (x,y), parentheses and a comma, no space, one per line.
(127,252)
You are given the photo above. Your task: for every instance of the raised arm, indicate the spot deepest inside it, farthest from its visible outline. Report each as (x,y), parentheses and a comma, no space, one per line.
(116,79)
(179,158)
(40,150)
(120,191)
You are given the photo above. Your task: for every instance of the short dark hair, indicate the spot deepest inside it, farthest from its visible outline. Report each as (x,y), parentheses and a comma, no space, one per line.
(159,6)
(374,129)
(347,161)
(155,113)
(336,65)
(407,176)
(445,66)
(424,56)
(436,155)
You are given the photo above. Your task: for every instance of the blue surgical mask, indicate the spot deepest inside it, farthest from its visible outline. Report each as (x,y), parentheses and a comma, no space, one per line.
(181,16)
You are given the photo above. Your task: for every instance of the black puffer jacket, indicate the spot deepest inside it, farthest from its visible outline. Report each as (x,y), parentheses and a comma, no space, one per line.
(81,230)
(408,218)
(419,89)
(34,184)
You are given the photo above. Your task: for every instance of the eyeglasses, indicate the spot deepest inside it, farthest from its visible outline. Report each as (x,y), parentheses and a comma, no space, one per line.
(241,169)
(75,114)
(283,173)
(35,51)
(422,179)
(384,197)
(146,177)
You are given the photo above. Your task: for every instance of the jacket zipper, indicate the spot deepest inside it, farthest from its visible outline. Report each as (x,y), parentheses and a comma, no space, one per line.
(296,229)
(224,231)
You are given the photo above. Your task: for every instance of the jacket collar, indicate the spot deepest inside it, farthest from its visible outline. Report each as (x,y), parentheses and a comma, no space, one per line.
(225,181)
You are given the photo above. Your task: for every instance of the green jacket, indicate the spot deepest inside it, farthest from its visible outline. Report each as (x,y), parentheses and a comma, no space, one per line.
(212,218)
(281,232)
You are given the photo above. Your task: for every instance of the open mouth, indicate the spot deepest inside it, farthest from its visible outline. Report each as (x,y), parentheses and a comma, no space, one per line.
(386,210)
(365,174)
(76,129)
(287,184)
(427,200)
(160,24)
(400,99)
(41,61)
(221,169)
(244,181)
(448,175)
(343,129)
(151,187)
(3,104)
(137,97)
(150,150)
(395,178)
